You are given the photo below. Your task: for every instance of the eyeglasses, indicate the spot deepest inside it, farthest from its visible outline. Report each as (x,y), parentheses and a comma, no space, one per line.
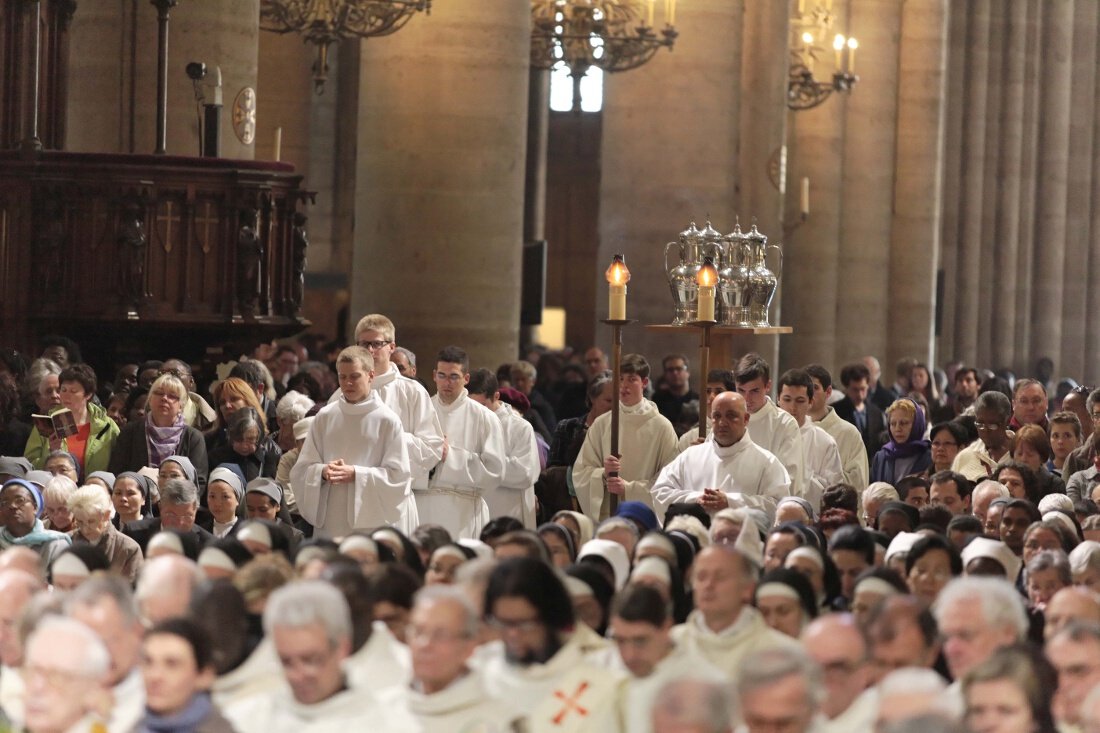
(15,503)
(414,634)
(988,426)
(375,345)
(443,377)
(524,626)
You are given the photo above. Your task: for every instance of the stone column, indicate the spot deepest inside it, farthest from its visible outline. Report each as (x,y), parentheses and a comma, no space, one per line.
(918,180)
(1055,106)
(952,179)
(1005,295)
(439,199)
(669,156)
(1079,192)
(112,89)
(871,130)
(764,65)
(988,243)
(1028,182)
(970,225)
(813,247)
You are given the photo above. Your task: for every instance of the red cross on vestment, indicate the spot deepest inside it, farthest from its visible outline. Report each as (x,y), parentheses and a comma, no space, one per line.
(570,703)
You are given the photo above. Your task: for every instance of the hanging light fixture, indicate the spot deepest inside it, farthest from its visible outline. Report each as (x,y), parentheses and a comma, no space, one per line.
(325,22)
(810,29)
(612,35)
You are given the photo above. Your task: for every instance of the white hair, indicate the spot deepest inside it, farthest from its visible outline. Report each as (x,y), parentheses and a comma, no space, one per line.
(167,575)
(704,703)
(690,525)
(59,489)
(773,665)
(84,647)
(309,602)
(293,406)
(432,594)
(88,501)
(911,680)
(1000,603)
(881,491)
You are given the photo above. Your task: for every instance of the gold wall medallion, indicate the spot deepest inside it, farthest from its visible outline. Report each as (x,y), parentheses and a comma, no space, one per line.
(244,116)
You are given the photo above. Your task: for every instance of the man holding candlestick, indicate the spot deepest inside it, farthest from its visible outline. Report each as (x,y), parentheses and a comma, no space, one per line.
(647,443)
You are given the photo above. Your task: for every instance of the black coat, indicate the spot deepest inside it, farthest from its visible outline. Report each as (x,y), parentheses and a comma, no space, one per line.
(143,530)
(131,452)
(876,424)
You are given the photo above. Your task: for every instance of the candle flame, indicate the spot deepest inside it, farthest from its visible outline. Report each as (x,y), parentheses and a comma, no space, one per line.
(838,42)
(853,43)
(708,276)
(618,273)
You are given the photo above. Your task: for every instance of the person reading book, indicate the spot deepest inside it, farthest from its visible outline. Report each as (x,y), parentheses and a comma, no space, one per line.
(80,426)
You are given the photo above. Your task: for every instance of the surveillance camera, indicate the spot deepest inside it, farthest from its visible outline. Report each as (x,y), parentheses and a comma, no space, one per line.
(196,70)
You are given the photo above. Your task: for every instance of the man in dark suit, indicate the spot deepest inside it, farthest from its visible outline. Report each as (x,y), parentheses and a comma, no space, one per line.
(857,409)
(179,502)
(881,397)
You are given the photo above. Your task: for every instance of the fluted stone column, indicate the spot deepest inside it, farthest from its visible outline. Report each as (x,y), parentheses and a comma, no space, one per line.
(1079,190)
(1028,177)
(918,183)
(669,156)
(439,185)
(764,65)
(970,224)
(112,87)
(952,179)
(1006,295)
(813,247)
(870,156)
(1055,108)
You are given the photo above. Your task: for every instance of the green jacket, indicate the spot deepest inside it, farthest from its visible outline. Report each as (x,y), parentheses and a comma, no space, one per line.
(97,453)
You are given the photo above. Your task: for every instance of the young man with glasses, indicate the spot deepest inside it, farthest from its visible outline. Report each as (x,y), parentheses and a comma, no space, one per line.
(473,453)
(405,396)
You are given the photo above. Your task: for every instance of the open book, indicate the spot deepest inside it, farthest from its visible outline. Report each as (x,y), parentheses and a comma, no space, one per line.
(60,424)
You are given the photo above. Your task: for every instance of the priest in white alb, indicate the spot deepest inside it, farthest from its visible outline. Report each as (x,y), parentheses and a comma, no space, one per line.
(849,441)
(647,443)
(515,496)
(820,456)
(473,453)
(772,429)
(727,470)
(405,396)
(353,471)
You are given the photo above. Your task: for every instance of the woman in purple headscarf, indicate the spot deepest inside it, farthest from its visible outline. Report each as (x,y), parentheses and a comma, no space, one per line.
(907,452)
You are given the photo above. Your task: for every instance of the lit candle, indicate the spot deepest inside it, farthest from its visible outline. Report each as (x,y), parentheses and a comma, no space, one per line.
(706,280)
(618,275)
(649,12)
(278,143)
(838,46)
(805,208)
(672,12)
(853,44)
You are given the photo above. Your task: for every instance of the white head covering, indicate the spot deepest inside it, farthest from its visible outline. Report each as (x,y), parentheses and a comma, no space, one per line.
(215,557)
(482,550)
(808,553)
(750,544)
(358,542)
(998,552)
(1050,502)
(301,428)
(653,541)
(68,563)
(1081,556)
(902,542)
(1064,519)
(167,541)
(652,567)
(256,532)
(614,553)
(576,587)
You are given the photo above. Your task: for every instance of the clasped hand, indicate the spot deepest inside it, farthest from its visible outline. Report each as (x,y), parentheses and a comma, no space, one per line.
(338,472)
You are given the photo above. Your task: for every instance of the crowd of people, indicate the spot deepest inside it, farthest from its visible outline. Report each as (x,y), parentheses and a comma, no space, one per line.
(307,540)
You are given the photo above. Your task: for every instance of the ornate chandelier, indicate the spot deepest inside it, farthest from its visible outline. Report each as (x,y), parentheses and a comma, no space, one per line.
(324,22)
(809,30)
(613,35)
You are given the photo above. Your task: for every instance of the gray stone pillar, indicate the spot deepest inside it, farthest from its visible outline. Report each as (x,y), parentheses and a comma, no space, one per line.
(1079,192)
(1010,156)
(1055,106)
(112,85)
(918,180)
(969,262)
(439,199)
(669,156)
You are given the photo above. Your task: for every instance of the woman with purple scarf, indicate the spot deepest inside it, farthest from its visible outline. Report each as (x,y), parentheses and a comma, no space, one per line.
(907,452)
(161,434)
